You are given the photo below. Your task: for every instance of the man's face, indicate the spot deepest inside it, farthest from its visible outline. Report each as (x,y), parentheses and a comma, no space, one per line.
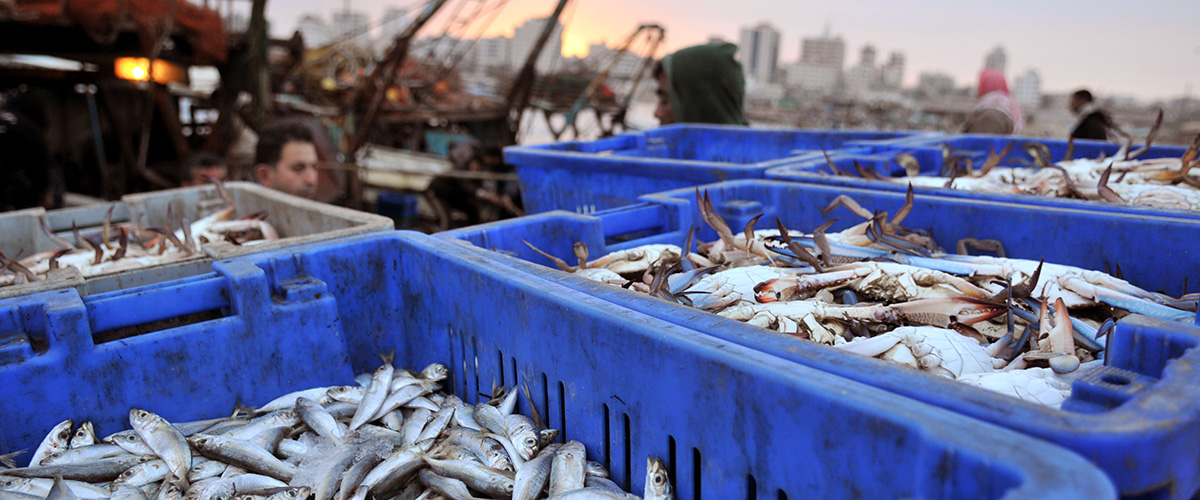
(663,112)
(200,175)
(296,172)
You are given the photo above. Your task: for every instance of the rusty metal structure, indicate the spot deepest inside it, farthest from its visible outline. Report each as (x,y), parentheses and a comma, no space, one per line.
(113,132)
(104,71)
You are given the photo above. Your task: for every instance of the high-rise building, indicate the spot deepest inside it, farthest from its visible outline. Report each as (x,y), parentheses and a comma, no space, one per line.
(934,84)
(438,50)
(820,66)
(600,57)
(860,79)
(995,59)
(824,51)
(867,56)
(814,78)
(352,26)
(1028,91)
(759,52)
(865,75)
(493,52)
(314,31)
(892,74)
(524,38)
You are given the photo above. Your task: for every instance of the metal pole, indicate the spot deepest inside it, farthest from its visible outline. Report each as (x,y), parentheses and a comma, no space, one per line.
(89,92)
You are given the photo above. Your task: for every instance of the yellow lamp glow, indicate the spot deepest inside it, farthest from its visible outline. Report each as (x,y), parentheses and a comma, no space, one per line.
(138,69)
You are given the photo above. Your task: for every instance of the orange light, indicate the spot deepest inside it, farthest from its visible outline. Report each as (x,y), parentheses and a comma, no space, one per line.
(138,69)
(132,68)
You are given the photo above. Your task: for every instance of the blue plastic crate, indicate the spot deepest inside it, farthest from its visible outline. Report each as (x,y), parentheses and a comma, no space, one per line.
(929,154)
(588,176)
(400,207)
(730,421)
(1138,418)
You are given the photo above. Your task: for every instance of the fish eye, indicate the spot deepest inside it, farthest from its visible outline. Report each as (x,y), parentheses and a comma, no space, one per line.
(64,435)
(658,479)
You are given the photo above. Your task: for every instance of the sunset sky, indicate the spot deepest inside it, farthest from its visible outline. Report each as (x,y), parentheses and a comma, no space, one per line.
(1149,50)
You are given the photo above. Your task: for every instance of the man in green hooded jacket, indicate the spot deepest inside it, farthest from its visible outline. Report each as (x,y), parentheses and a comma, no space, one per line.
(701,84)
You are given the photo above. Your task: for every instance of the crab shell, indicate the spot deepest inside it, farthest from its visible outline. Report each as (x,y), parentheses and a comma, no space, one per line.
(634,260)
(939,351)
(733,286)
(1036,385)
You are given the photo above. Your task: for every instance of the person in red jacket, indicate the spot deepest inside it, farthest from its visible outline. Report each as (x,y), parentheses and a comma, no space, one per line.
(997,112)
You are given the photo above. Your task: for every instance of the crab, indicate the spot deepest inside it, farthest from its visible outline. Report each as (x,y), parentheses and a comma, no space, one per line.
(1055,342)
(1036,385)
(878,231)
(732,286)
(936,350)
(807,319)
(823,322)
(880,280)
(1077,287)
(748,248)
(611,267)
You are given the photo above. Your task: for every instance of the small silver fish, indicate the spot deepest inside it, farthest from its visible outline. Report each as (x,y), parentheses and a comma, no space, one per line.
(58,439)
(85,435)
(164,439)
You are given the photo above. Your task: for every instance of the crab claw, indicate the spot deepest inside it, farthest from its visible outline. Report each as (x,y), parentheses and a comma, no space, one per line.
(870,347)
(944,312)
(906,209)
(1061,338)
(715,221)
(829,162)
(912,168)
(1106,193)
(723,298)
(994,159)
(581,253)
(781,289)
(774,290)
(848,202)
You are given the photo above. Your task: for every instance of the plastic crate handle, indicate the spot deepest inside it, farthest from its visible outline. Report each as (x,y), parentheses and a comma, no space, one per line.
(626,224)
(240,286)
(170,301)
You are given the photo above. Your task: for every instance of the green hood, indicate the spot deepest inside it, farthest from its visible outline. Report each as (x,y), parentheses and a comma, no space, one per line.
(706,84)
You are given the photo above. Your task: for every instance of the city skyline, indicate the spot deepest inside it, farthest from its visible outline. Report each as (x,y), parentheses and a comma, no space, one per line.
(1114,51)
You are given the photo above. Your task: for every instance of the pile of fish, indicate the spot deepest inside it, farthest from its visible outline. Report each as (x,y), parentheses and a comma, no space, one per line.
(130,246)
(1020,327)
(392,437)
(1122,179)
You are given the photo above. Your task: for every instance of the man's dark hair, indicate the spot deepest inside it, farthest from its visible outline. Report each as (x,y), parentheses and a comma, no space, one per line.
(274,138)
(199,161)
(1083,94)
(658,69)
